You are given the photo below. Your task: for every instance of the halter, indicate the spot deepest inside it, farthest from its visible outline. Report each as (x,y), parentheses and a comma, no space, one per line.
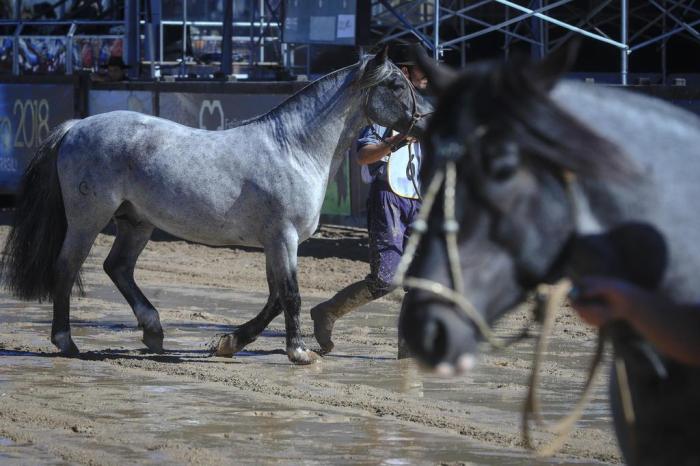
(555,295)
(416,116)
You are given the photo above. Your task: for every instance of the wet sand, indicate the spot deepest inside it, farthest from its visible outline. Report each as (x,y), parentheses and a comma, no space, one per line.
(118,404)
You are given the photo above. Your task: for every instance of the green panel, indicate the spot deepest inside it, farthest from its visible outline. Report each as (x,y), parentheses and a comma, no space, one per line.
(337,201)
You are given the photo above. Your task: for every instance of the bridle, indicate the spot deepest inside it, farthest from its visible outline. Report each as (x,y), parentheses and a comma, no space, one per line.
(446,179)
(416,116)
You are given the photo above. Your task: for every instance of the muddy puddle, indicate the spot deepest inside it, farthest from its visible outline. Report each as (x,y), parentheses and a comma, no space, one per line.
(119,404)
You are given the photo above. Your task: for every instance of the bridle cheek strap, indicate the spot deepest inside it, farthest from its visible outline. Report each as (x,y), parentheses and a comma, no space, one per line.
(448,179)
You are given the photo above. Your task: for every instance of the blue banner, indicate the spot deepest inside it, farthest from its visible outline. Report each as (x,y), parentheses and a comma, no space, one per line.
(100,101)
(28,112)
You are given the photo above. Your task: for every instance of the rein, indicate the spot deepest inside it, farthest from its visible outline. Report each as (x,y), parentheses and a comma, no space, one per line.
(555,295)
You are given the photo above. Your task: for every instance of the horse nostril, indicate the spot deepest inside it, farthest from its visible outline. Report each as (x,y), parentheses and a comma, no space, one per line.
(438,336)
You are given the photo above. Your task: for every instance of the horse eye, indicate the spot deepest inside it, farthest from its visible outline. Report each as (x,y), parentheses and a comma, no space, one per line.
(504,164)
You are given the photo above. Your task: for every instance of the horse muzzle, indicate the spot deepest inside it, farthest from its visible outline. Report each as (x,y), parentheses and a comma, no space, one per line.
(436,334)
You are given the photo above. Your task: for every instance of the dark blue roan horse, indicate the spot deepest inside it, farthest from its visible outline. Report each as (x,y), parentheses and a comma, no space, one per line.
(543,165)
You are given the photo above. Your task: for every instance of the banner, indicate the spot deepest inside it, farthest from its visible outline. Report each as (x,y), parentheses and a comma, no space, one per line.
(27,113)
(100,101)
(215,111)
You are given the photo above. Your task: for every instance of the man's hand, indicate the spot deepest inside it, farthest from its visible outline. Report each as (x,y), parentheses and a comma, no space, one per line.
(602,300)
(397,140)
(673,328)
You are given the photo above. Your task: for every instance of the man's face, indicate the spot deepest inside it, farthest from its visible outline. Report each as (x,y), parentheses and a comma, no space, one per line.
(416,76)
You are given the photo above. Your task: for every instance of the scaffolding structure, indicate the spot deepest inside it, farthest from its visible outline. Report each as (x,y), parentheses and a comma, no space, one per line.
(542,24)
(247,34)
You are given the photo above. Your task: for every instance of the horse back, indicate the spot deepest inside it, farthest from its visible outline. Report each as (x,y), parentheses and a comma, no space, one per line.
(213,187)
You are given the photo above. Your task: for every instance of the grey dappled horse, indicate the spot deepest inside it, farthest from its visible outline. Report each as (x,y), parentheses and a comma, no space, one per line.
(542,164)
(261,183)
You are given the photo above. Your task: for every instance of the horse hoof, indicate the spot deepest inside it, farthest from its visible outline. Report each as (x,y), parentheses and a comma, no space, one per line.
(302,357)
(153,341)
(227,346)
(65,344)
(323,329)
(326,346)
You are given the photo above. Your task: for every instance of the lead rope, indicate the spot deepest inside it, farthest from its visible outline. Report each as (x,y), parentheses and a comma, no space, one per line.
(411,171)
(562,428)
(556,294)
(533,408)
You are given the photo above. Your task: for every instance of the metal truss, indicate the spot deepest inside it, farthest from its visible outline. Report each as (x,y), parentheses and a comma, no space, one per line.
(543,24)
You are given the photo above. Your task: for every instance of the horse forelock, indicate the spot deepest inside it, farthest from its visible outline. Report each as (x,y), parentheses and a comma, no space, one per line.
(370,76)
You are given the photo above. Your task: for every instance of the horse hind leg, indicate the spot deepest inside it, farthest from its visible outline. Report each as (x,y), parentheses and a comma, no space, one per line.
(131,239)
(75,249)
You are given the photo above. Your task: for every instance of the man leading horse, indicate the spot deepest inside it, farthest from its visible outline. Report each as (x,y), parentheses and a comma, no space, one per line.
(390,163)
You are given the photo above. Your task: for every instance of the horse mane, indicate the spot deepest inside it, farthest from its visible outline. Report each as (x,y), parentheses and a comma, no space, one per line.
(504,96)
(364,78)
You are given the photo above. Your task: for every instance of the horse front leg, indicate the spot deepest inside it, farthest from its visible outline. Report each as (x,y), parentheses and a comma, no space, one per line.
(231,343)
(282,261)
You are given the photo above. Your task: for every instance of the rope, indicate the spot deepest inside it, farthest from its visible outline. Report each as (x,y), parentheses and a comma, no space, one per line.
(411,171)
(533,409)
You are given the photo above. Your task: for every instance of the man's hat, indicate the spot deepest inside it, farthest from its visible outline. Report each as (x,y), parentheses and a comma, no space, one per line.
(402,53)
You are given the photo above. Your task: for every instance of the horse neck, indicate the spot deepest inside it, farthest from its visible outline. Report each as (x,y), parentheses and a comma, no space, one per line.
(318,124)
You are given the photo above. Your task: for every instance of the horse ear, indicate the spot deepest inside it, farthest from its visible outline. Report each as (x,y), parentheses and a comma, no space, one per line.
(380,58)
(547,72)
(439,77)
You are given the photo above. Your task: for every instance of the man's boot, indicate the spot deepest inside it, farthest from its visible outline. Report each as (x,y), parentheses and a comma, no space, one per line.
(326,313)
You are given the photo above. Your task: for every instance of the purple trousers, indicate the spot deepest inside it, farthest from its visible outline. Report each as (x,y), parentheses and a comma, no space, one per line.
(389,218)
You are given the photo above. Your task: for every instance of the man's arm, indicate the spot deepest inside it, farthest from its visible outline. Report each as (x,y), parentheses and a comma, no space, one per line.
(371,153)
(674,329)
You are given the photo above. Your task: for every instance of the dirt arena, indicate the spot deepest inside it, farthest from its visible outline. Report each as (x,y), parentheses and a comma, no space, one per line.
(117,404)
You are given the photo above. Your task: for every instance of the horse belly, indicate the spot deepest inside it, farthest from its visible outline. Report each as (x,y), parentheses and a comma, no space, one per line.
(202,222)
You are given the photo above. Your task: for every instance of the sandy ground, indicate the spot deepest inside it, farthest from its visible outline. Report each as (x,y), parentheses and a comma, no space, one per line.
(118,404)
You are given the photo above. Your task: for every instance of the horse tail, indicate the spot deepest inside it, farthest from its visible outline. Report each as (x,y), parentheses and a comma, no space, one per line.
(39,227)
